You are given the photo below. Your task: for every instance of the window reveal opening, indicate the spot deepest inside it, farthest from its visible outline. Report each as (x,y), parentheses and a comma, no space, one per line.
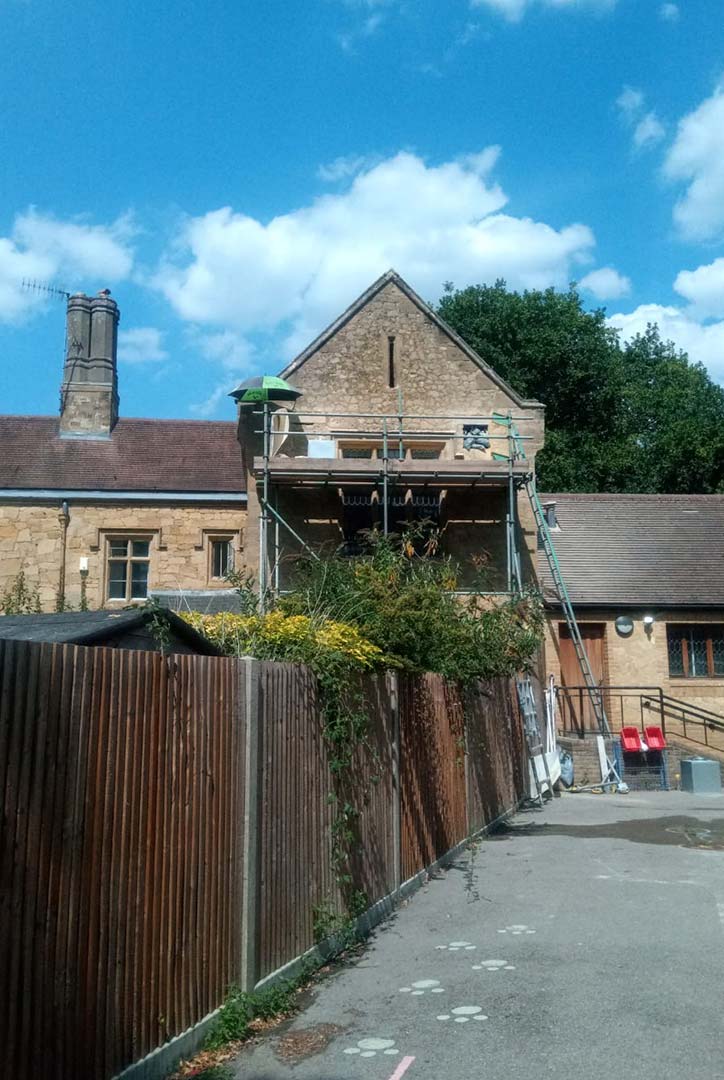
(391,380)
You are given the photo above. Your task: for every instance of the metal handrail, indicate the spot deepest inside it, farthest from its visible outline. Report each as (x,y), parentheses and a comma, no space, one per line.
(651,699)
(715,719)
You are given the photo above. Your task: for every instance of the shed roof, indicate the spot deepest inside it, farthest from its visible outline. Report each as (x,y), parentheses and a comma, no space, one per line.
(140,455)
(98,627)
(639,550)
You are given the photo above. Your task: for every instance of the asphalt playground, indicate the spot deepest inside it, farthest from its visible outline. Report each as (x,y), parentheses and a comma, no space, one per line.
(586,940)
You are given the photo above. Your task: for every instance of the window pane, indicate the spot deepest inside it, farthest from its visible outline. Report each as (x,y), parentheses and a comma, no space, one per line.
(117,580)
(426,454)
(221,558)
(697,654)
(357,452)
(140,549)
(118,547)
(139,580)
(717,648)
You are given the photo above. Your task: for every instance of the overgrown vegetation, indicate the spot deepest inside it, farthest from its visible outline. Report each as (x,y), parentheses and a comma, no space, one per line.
(233,1024)
(20,598)
(635,416)
(403,602)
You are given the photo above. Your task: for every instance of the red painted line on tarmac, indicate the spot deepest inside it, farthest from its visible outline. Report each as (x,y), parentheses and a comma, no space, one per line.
(402,1068)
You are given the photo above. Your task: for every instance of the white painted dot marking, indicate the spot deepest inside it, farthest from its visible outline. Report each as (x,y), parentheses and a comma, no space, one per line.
(368,1053)
(375,1044)
(352,1050)
(466,1010)
(426,984)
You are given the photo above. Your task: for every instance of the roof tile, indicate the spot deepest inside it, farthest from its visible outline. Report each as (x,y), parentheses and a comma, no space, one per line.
(638,550)
(140,455)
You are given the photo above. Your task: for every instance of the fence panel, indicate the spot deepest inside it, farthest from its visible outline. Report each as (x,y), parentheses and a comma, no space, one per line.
(432,770)
(295,815)
(495,777)
(121,783)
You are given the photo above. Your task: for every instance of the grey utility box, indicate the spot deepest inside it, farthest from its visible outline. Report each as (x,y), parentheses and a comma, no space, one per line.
(701,776)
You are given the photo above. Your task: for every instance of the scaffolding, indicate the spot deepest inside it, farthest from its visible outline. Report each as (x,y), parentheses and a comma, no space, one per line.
(393,464)
(472,456)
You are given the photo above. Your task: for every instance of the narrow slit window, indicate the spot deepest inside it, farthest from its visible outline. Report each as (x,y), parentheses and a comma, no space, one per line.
(391,362)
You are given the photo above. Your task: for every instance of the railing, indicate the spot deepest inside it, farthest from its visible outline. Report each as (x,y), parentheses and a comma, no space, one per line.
(640,707)
(623,705)
(688,716)
(395,435)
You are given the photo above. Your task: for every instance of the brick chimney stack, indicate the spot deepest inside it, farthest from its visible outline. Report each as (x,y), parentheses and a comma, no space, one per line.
(89,393)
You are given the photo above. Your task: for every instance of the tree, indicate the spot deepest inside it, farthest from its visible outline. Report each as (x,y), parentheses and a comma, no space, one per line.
(638,417)
(675,419)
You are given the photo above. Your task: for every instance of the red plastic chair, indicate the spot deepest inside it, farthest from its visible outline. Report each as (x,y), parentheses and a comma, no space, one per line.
(655,738)
(631,740)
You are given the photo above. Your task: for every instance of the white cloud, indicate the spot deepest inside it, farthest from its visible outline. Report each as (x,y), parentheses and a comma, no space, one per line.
(704,289)
(669,12)
(697,159)
(236,357)
(703,343)
(289,277)
(41,247)
(606,283)
(648,131)
(514,10)
(141,345)
(630,101)
(342,168)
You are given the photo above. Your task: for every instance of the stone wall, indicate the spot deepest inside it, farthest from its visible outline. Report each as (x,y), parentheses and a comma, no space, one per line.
(31,539)
(434,377)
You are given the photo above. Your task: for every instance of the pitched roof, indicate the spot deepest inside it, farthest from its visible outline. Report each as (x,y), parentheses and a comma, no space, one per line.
(98,628)
(140,455)
(393,277)
(639,550)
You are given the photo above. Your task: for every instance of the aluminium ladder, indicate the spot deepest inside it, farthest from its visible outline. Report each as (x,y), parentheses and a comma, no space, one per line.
(546,540)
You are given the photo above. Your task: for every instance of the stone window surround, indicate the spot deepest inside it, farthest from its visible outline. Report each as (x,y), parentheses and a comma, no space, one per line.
(105,536)
(205,540)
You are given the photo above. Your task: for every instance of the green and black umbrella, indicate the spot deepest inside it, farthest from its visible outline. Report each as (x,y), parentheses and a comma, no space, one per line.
(264,388)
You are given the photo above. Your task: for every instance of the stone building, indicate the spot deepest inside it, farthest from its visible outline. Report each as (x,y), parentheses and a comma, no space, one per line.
(397,420)
(114,508)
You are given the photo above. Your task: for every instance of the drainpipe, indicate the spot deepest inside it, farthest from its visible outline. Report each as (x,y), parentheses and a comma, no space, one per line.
(64,519)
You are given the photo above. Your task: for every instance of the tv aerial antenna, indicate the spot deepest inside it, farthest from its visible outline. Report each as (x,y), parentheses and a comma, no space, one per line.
(41,288)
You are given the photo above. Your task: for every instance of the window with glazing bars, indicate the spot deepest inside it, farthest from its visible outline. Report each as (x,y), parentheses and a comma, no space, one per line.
(128,562)
(696,651)
(222,557)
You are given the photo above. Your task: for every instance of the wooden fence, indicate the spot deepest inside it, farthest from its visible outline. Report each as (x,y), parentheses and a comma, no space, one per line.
(166,832)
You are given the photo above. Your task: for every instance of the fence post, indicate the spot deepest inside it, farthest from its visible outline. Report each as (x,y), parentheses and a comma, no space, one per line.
(250,676)
(394,693)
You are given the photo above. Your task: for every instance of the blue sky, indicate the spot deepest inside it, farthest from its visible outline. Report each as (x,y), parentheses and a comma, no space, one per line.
(238,173)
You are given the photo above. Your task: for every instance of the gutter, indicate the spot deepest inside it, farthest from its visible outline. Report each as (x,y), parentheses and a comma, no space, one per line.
(99,495)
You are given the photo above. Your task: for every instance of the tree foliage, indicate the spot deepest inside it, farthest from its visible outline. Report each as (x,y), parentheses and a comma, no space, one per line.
(636,416)
(402,602)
